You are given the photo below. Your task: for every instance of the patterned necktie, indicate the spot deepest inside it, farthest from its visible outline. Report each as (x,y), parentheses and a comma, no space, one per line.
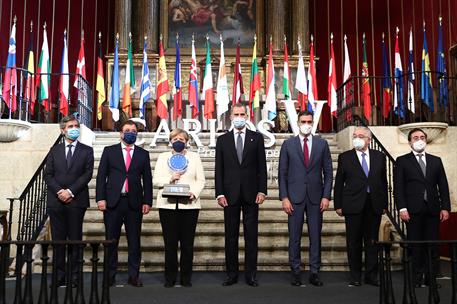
(239,147)
(424,171)
(69,155)
(306,151)
(128,160)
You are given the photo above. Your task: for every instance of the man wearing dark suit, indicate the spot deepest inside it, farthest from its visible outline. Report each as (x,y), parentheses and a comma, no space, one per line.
(124,194)
(241,184)
(360,195)
(422,197)
(305,184)
(67,173)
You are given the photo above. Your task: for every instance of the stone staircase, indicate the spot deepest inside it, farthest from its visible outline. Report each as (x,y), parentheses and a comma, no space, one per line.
(209,240)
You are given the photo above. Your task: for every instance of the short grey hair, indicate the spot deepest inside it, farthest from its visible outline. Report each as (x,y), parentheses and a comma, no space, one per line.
(365,129)
(64,120)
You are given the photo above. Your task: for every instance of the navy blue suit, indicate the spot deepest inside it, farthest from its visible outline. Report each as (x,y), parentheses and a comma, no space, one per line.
(305,187)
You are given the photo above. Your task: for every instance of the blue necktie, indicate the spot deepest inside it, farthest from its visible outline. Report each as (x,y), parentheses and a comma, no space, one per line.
(365,167)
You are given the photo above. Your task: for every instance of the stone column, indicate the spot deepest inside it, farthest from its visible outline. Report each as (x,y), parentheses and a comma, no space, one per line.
(123,22)
(278,16)
(145,16)
(300,28)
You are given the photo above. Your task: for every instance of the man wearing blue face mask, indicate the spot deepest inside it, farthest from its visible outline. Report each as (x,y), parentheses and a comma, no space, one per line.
(241,184)
(124,195)
(360,195)
(67,173)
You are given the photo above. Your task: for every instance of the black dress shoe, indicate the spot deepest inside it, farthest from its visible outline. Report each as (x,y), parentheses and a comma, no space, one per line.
(168,284)
(229,281)
(135,282)
(252,282)
(354,284)
(372,282)
(314,280)
(296,280)
(111,281)
(186,284)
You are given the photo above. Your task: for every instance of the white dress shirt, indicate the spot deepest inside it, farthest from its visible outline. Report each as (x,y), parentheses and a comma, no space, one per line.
(124,154)
(367,157)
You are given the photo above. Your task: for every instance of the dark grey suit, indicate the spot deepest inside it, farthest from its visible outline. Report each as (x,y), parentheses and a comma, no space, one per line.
(305,187)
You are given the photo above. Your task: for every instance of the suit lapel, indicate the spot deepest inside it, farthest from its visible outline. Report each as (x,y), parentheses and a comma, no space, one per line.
(314,147)
(413,159)
(299,148)
(231,143)
(247,141)
(120,156)
(135,157)
(356,163)
(62,157)
(75,154)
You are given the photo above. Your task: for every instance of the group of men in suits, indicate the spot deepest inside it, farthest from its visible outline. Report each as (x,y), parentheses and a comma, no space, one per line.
(124,195)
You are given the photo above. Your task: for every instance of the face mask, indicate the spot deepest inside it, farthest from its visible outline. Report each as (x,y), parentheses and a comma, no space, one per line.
(306,129)
(239,122)
(73,133)
(419,146)
(130,138)
(358,143)
(178,146)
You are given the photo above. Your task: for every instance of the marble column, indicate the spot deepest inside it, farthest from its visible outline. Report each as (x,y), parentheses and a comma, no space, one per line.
(300,28)
(278,19)
(145,16)
(123,22)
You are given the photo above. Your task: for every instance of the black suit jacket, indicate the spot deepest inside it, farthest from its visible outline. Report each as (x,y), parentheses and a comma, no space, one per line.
(350,190)
(75,178)
(112,174)
(410,184)
(241,181)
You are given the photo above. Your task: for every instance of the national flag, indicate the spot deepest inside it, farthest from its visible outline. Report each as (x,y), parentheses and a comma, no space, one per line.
(222,99)
(129,83)
(411,77)
(331,88)
(441,69)
(193,83)
(114,97)
(207,89)
(238,89)
(288,103)
(254,87)
(300,81)
(30,82)
(270,102)
(348,89)
(177,89)
(426,77)
(162,84)
(100,84)
(43,72)
(386,82)
(64,84)
(399,106)
(312,81)
(81,64)
(366,89)
(145,91)
(10,78)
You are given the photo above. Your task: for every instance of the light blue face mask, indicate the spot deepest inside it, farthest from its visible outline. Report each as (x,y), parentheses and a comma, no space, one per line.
(239,122)
(73,133)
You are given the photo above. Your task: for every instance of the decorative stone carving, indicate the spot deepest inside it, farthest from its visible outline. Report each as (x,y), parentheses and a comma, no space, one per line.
(433,129)
(12,129)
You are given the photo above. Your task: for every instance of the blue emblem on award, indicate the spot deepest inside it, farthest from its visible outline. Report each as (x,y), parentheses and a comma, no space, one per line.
(178,163)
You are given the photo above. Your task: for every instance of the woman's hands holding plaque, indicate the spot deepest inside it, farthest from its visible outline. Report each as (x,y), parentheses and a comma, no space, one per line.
(175,176)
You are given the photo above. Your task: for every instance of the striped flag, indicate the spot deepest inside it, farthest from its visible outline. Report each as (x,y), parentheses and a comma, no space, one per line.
(270,102)
(238,89)
(43,70)
(426,77)
(399,106)
(366,88)
(347,92)
(64,84)
(289,104)
(129,83)
(100,85)
(193,83)
(254,88)
(222,99)
(81,64)
(441,69)
(312,81)
(177,89)
(114,97)
(145,91)
(411,77)
(207,89)
(162,84)
(331,89)
(301,82)
(10,78)
(30,83)
(386,82)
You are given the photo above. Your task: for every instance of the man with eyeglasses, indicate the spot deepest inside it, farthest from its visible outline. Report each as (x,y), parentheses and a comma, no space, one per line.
(360,195)
(124,195)
(422,196)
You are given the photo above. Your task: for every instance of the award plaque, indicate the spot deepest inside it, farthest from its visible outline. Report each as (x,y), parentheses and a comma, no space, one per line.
(177,163)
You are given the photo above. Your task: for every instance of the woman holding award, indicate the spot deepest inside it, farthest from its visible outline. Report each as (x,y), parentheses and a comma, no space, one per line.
(180,178)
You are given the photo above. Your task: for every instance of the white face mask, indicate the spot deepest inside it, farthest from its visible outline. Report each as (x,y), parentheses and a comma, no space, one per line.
(358,143)
(306,129)
(419,146)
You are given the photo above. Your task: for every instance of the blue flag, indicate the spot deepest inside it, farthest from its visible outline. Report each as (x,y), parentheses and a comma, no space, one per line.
(441,69)
(426,77)
(114,97)
(145,92)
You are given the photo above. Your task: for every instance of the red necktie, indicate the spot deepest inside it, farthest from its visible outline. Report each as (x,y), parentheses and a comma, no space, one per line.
(305,151)
(128,160)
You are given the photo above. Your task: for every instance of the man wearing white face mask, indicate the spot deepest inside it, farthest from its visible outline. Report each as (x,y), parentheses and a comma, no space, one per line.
(422,197)
(360,195)
(305,184)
